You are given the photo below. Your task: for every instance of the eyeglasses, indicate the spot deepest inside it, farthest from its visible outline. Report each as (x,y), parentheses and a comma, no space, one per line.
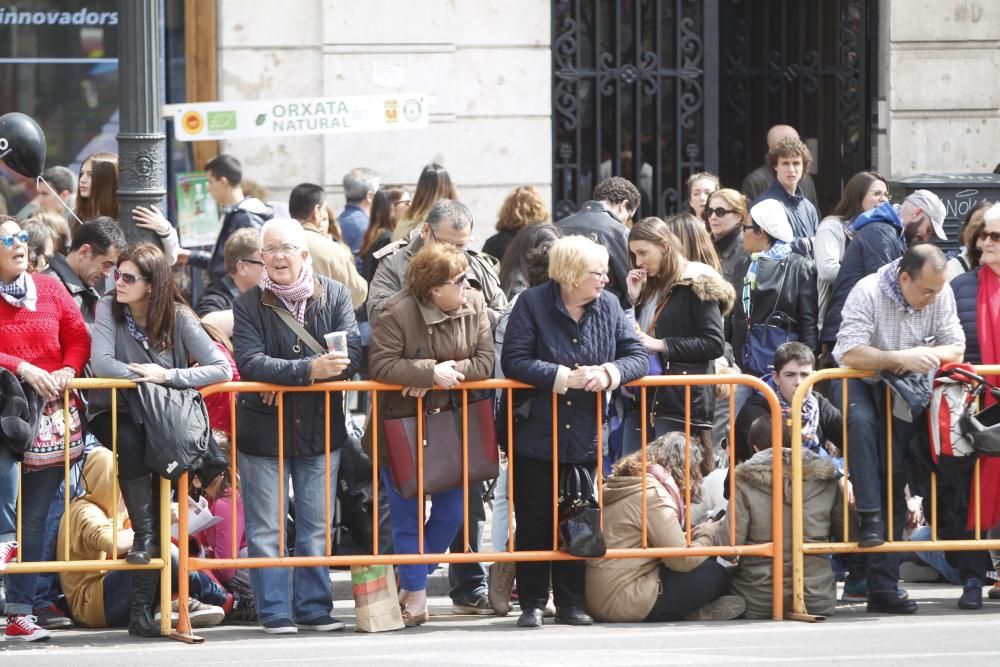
(717,212)
(252,261)
(403,202)
(880,194)
(8,240)
(990,236)
(747,228)
(460,245)
(461,281)
(128,278)
(284,249)
(600,275)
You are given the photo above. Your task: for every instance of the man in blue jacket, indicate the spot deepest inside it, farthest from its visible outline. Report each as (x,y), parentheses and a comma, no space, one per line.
(880,236)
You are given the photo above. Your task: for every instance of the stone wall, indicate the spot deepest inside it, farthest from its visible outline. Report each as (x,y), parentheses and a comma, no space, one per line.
(941,79)
(485,64)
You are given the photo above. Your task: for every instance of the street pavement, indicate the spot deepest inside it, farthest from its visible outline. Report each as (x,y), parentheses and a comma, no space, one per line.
(939,634)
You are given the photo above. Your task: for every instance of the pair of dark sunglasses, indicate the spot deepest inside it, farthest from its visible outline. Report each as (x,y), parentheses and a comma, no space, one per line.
(127,278)
(717,212)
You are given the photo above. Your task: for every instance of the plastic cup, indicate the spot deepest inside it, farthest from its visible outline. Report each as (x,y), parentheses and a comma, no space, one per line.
(336,341)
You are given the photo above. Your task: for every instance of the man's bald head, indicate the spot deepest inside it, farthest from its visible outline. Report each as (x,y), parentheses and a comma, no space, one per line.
(779,132)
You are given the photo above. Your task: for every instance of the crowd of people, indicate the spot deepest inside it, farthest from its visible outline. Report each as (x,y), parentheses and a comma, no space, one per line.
(749,280)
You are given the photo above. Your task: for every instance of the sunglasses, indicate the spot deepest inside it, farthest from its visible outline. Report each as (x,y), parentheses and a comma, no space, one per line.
(717,212)
(128,278)
(990,236)
(255,262)
(461,280)
(8,240)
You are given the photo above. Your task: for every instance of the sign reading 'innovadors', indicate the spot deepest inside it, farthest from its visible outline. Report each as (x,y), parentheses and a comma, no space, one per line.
(211,121)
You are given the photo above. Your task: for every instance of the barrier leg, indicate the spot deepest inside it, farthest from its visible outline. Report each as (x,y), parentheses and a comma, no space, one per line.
(183,632)
(165,555)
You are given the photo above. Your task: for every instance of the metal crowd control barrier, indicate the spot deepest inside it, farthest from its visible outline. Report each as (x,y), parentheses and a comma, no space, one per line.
(188,563)
(64,564)
(800,548)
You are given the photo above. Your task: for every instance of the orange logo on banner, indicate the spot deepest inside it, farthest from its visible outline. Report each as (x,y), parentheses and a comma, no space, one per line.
(192,122)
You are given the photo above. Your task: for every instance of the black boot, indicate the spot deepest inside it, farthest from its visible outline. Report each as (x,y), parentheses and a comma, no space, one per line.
(145,584)
(138,495)
(872,528)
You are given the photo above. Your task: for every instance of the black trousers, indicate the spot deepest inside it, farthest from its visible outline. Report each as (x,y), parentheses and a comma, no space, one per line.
(533,512)
(131,443)
(684,592)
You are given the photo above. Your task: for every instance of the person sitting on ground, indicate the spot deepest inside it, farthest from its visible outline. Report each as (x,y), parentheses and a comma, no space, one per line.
(821,419)
(102,598)
(823,517)
(629,590)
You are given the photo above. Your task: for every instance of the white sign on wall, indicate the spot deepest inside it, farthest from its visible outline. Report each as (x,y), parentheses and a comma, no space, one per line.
(211,121)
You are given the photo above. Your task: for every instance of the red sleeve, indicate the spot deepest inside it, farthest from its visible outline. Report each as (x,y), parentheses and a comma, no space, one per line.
(74,339)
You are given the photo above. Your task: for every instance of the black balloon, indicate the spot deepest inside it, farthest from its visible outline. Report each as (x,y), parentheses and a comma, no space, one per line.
(22,144)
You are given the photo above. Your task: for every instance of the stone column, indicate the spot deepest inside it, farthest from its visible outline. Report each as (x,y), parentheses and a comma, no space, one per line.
(141,146)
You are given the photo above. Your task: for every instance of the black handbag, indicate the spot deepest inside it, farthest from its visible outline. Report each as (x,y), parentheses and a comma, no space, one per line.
(178,436)
(984,430)
(579,514)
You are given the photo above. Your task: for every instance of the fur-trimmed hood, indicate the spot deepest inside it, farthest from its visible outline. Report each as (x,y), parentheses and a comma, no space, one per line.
(708,285)
(756,471)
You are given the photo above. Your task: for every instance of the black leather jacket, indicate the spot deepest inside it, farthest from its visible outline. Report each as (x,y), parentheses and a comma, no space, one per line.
(788,287)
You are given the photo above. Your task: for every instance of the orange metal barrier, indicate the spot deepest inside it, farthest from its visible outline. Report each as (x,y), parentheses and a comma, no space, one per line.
(65,564)
(800,548)
(188,563)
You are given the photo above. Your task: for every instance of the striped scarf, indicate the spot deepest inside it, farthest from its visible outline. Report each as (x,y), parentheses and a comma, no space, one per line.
(294,296)
(777,252)
(20,292)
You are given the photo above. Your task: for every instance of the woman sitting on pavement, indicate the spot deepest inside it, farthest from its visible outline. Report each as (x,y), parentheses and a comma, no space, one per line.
(435,333)
(629,590)
(102,598)
(822,516)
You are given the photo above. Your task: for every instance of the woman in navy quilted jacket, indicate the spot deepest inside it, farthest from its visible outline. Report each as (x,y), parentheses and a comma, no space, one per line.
(572,339)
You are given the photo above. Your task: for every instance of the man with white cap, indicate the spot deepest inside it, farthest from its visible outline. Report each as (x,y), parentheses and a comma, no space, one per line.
(778,302)
(880,236)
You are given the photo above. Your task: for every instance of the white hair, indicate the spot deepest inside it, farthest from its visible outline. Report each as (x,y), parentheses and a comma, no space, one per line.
(292,230)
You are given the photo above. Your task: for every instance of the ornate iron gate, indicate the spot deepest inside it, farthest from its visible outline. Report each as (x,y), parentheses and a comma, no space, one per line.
(629,98)
(656,90)
(808,64)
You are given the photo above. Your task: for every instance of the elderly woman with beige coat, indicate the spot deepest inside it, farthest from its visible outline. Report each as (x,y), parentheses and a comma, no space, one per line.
(632,590)
(435,333)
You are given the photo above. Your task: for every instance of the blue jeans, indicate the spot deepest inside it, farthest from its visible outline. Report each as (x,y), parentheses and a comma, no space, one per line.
(9,480)
(439,529)
(469,580)
(37,491)
(117,587)
(867,460)
(301,593)
(49,590)
(935,559)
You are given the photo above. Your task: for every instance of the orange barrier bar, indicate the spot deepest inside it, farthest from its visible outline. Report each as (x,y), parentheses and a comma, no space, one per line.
(771,550)
(800,548)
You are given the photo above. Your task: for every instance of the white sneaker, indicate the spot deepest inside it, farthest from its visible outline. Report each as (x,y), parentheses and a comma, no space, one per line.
(201,615)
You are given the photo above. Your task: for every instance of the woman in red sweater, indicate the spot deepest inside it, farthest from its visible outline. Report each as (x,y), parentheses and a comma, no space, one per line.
(43,341)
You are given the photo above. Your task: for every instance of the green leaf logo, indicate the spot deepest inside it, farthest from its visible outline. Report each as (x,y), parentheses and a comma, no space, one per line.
(260,119)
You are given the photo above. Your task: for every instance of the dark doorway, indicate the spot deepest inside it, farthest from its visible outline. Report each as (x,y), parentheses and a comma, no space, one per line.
(656,90)
(807,64)
(629,98)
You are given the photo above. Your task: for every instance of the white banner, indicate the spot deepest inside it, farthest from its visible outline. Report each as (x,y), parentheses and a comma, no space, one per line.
(210,121)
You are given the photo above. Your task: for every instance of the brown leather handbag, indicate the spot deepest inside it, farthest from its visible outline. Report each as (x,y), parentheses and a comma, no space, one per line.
(442,448)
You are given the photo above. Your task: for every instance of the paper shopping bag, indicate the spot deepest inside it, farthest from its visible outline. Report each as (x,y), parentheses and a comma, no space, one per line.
(376,600)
